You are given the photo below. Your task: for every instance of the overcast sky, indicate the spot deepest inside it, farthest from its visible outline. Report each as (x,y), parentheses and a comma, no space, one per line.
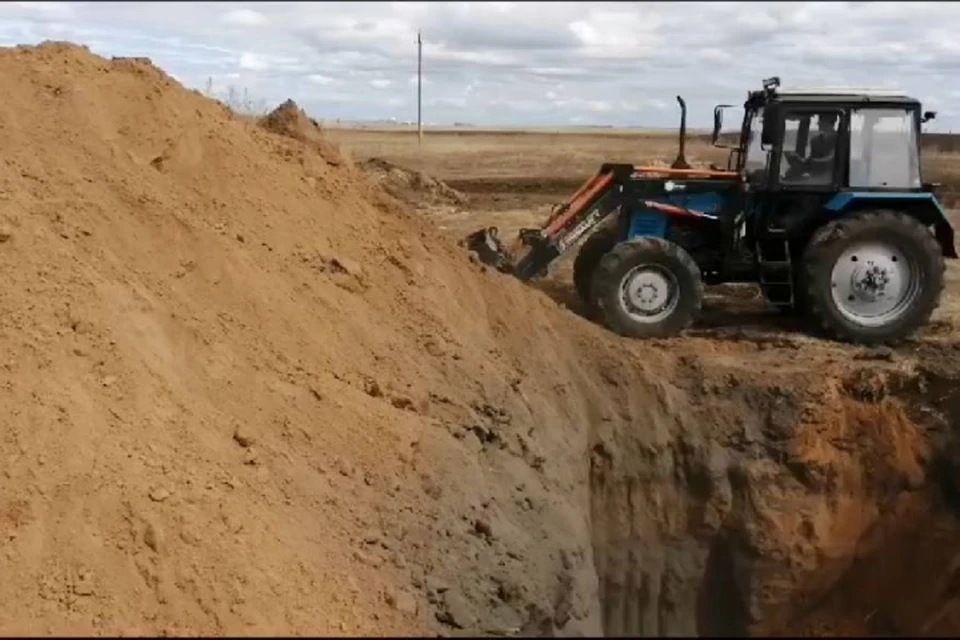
(548,63)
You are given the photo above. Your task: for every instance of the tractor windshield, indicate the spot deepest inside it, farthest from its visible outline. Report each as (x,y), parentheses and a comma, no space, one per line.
(883,149)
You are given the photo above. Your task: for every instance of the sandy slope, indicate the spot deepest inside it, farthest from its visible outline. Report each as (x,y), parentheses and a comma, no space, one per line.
(175,276)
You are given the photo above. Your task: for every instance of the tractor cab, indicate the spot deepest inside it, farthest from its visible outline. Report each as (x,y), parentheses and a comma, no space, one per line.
(804,154)
(825,140)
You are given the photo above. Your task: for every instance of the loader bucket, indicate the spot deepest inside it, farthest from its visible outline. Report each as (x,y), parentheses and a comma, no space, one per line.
(536,248)
(486,244)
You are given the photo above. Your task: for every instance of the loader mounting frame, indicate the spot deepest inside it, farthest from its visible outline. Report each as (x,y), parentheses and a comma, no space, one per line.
(591,205)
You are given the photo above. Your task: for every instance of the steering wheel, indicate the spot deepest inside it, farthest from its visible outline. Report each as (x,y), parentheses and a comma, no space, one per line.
(795,159)
(797,165)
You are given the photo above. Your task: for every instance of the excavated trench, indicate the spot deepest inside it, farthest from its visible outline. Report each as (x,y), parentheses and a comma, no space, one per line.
(811,505)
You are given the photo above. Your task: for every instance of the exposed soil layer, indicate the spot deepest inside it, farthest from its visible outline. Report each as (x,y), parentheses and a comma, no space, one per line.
(504,193)
(247,391)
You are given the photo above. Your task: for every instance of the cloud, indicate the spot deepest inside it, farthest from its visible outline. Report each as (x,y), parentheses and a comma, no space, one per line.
(244,17)
(320,79)
(49,10)
(252,62)
(518,63)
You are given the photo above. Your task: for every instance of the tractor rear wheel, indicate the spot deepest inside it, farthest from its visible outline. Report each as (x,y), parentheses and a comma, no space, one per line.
(585,264)
(874,277)
(648,288)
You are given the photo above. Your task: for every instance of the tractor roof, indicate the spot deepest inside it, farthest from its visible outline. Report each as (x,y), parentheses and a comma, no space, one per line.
(841,94)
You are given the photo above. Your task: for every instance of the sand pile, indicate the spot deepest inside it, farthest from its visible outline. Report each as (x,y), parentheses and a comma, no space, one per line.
(290,120)
(244,391)
(412,187)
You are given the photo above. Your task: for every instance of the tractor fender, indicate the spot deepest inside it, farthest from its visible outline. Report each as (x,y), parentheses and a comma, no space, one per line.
(923,206)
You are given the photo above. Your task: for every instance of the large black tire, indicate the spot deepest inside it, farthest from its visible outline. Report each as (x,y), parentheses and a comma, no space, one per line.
(584,265)
(892,229)
(661,255)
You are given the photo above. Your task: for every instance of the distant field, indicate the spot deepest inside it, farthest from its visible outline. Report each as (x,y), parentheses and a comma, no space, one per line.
(461,154)
(469,130)
(555,161)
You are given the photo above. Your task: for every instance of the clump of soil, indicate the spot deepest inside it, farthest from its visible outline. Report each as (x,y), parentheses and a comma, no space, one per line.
(412,187)
(290,120)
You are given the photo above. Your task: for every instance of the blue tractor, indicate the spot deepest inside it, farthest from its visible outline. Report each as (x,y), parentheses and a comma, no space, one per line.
(821,204)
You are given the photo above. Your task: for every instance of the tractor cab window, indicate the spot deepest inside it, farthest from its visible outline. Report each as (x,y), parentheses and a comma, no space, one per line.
(808,155)
(755,161)
(883,149)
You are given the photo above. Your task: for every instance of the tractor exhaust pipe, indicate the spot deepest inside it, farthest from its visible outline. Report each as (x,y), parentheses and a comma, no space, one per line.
(681,161)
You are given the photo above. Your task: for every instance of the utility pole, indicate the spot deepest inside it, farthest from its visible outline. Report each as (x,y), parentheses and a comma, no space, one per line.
(419,89)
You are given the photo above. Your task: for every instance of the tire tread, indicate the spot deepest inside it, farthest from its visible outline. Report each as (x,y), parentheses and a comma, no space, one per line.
(606,285)
(815,258)
(588,258)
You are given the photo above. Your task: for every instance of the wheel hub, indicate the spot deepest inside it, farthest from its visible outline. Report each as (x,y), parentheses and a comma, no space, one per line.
(873,284)
(649,293)
(869,283)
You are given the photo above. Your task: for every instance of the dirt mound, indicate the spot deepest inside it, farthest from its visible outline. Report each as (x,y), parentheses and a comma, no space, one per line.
(290,120)
(412,187)
(246,392)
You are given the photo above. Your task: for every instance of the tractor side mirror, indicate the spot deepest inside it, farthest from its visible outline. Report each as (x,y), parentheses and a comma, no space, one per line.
(717,123)
(928,115)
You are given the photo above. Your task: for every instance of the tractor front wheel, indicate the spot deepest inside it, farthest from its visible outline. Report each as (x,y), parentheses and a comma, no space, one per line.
(585,264)
(874,277)
(648,288)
